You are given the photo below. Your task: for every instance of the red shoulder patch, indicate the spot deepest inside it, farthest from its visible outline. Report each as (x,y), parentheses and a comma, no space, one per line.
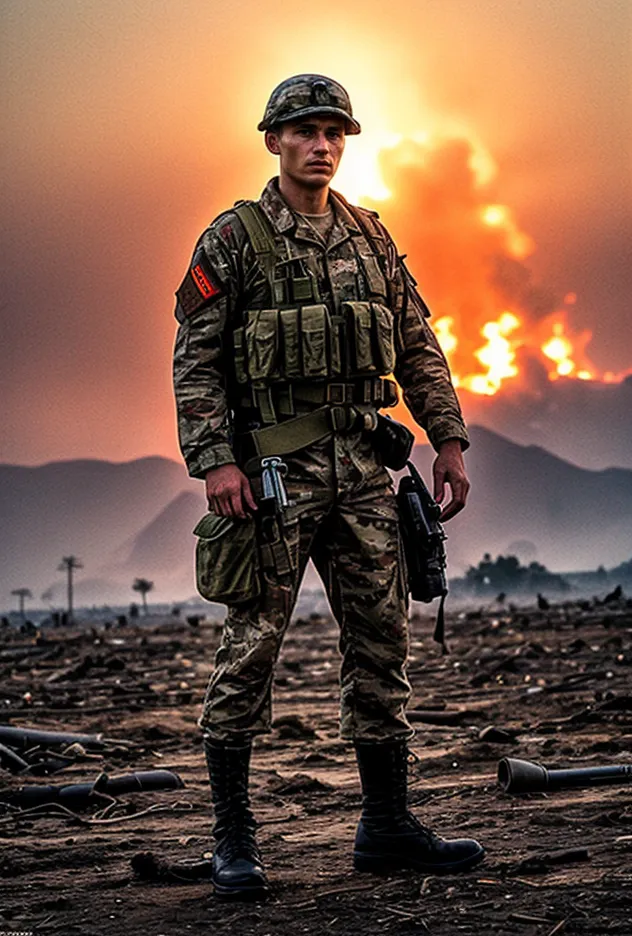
(206,288)
(198,287)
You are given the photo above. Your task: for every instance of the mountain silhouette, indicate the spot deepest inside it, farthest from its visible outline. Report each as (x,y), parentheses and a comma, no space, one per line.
(88,508)
(136,519)
(577,519)
(585,422)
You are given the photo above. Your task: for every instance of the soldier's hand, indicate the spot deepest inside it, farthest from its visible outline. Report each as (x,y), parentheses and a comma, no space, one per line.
(229,493)
(449,469)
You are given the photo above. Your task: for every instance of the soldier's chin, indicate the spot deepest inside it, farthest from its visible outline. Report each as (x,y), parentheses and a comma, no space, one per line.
(316,178)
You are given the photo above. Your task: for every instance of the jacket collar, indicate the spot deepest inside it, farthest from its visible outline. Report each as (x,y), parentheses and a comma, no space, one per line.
(283,219)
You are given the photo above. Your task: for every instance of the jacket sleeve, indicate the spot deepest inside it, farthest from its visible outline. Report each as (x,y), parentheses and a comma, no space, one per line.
(421,368)
(204,307)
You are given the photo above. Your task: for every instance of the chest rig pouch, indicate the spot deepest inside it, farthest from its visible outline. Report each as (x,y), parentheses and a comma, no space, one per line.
(303,339)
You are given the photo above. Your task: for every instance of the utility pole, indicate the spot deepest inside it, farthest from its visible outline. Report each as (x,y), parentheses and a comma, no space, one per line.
(70,563)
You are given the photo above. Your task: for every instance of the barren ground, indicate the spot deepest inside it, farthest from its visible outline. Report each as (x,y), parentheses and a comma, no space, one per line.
(559,680)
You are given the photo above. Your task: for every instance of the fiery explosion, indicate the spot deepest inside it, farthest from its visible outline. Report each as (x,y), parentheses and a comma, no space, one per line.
(497,326)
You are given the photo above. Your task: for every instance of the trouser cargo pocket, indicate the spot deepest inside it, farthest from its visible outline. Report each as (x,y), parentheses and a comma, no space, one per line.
(226,559)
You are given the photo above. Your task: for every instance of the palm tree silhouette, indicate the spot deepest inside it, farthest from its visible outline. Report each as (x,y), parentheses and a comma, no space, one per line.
(22,594)
(143,586)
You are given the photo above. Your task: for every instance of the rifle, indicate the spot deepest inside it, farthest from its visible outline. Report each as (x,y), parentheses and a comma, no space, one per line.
(423,538)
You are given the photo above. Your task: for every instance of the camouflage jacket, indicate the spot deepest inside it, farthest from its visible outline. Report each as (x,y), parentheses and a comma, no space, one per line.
(227,279)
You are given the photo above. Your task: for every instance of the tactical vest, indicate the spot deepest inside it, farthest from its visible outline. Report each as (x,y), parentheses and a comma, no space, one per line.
(319,354)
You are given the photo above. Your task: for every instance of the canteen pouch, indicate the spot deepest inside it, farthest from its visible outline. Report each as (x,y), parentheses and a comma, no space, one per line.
(384,338)
(286,344)
(262,344)
(314,333)
(291,341)
(226,559)
(370,330)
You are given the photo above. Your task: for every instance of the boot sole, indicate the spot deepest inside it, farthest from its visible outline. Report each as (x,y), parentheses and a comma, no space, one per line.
(256,892)
(383,864)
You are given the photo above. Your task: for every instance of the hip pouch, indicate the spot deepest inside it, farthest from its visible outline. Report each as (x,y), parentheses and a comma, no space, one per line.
(227,559)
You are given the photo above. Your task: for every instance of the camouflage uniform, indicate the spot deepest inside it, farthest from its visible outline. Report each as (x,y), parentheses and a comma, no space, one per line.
(344,513)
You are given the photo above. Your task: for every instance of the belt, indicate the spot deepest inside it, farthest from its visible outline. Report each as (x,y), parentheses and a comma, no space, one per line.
(294,434)
(273,401)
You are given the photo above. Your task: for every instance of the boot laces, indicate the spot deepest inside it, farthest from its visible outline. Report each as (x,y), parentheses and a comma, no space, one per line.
(235,836)
(415,825)
(239,843)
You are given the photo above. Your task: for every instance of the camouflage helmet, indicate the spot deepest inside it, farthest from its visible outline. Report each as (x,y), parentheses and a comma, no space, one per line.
(308,94)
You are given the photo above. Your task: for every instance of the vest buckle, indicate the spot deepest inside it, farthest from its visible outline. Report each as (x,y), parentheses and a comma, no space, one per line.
(339,393)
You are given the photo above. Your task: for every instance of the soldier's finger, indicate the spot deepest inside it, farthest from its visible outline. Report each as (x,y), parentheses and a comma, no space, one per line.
(248,495)
(225,503)
(449,511)
(439,486)
(236,505)
(457,503)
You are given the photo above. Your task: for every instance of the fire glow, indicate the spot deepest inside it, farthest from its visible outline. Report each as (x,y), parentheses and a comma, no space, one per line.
(495,323)
(565,356)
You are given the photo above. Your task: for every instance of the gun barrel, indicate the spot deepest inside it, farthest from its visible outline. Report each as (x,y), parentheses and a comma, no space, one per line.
(521,776)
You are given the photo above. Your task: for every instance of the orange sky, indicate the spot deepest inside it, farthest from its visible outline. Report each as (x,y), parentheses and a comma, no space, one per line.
(128,125)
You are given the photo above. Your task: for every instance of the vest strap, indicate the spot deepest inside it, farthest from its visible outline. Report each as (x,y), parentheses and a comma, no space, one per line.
(374,238)
(261,236)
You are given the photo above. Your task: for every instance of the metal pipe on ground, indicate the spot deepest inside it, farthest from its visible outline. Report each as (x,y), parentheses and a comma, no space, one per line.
(77,796)
(22,738)
(522,776)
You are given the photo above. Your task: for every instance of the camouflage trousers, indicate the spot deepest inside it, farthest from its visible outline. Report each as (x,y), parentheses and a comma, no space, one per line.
(344,517)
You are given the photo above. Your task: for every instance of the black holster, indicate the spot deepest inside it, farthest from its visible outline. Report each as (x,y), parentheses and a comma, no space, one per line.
(392,441)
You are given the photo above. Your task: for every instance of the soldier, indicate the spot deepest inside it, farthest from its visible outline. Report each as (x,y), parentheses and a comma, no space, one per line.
(293,312)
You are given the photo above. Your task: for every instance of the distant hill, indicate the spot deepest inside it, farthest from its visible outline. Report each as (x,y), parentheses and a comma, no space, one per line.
(162,551)
(586,422)
(135,519)
(92,509)
(574,518)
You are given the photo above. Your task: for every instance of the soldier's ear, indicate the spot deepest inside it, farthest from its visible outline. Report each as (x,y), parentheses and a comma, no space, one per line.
(272,142)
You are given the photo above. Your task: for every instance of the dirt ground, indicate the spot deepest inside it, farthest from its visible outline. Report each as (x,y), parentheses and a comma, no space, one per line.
(557,682)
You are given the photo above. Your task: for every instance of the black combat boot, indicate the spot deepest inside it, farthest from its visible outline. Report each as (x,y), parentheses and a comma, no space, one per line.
(389,836)
(237,869)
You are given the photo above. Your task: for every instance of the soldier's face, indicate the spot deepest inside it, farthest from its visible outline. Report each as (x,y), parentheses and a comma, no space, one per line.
(309,150)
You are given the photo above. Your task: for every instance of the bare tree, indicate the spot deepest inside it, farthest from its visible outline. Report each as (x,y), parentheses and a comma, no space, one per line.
(143,586)
(22,594)
(70,563)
